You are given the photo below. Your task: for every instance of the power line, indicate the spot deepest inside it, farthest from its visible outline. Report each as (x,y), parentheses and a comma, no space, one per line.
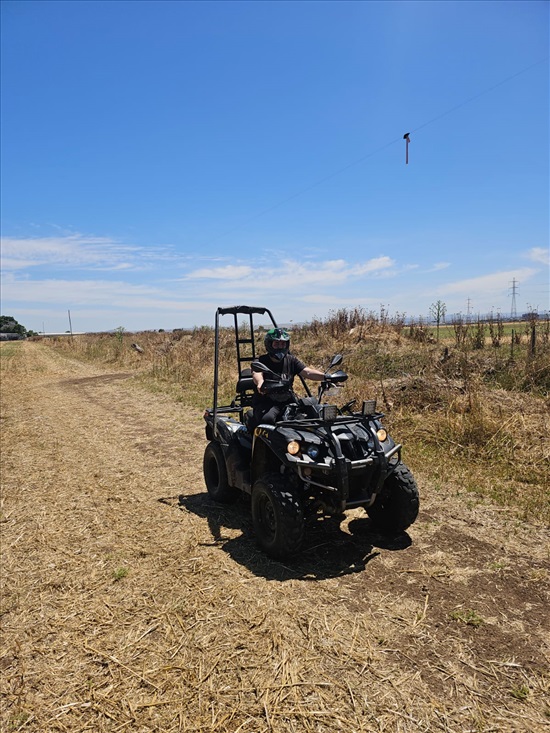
(481,94)
(337,172)
(305,190)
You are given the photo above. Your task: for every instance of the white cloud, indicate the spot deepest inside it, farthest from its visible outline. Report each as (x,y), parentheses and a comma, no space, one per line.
(37,276)
(374,265)
(292,275)
(496,282)
(539,254)
(10,264)
(287,274)
(228,272)
(324,298)
(338,301)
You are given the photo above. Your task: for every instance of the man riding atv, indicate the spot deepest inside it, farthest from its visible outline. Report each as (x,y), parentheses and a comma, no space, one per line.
(268,403)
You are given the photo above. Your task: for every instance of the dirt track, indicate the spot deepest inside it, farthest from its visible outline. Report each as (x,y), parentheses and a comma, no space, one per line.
(130,602)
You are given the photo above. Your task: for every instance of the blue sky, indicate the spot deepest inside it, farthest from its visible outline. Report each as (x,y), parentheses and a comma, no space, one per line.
(160,159)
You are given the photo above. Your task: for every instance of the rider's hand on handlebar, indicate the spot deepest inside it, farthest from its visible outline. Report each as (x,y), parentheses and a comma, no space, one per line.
(336,378)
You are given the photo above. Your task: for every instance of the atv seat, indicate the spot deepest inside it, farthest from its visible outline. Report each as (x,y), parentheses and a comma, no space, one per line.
(245,388)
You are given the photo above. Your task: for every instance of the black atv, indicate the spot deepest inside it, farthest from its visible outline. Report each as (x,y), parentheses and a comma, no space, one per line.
(318,458)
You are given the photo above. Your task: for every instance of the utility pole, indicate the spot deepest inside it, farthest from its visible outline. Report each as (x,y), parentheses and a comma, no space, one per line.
(513,309)
(468,309)
(70,324)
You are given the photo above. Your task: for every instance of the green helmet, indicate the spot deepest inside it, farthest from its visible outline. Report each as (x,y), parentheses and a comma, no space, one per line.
(277,334)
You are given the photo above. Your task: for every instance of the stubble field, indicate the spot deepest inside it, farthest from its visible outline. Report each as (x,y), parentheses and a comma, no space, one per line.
(131,602)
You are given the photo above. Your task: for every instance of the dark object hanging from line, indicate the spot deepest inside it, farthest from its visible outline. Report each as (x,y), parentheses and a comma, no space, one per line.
(407,138)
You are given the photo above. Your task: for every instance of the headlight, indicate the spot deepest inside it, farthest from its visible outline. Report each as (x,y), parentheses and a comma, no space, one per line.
(382,434)
(293,447)
(369,407)
(329,412)
(313,451)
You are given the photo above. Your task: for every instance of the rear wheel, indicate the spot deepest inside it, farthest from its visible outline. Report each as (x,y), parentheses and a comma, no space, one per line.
(215,475)
(396,507)
(277,517)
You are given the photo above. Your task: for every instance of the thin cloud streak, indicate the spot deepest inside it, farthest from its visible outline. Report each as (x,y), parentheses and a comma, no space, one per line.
(76,291)
(76,251)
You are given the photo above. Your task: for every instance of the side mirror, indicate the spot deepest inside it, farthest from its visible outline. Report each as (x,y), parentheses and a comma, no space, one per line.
(336,359)
(257,366)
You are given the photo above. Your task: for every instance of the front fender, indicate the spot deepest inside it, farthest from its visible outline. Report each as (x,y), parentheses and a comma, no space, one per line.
(269,449)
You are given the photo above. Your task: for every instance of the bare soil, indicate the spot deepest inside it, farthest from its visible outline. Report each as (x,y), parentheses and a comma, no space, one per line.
(131,602)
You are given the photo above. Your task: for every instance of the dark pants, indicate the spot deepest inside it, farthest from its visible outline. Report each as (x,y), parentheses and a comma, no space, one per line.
(266,411)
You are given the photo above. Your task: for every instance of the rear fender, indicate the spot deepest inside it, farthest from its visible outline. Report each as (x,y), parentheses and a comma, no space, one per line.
(226,428)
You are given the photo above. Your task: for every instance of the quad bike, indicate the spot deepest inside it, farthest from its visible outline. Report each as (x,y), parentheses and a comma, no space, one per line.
(318,458)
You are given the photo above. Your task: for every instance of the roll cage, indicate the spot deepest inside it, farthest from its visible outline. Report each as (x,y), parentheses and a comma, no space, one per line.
(245,347)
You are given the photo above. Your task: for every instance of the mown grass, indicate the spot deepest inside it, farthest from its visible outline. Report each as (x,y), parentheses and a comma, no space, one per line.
(469,412)
(8,352)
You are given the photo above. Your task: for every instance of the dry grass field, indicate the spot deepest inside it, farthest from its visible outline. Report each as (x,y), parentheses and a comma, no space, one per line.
(131,602)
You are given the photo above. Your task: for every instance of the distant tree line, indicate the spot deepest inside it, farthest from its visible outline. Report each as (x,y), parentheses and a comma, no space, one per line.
(8,325)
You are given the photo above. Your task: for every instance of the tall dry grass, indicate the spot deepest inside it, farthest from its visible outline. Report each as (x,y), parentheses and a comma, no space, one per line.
(472,408)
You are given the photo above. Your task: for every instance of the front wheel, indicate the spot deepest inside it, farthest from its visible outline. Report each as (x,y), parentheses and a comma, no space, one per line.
(215,475)
(277,517)
(396,507)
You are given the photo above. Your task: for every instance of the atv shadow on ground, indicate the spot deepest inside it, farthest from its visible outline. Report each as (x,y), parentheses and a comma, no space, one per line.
(333,546)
